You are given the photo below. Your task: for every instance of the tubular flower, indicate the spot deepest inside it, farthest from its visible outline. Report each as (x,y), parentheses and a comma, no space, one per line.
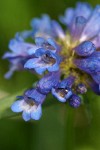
(69,60)
(30,104)
(18,55)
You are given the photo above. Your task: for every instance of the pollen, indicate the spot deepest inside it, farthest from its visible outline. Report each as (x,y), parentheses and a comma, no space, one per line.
(68,66)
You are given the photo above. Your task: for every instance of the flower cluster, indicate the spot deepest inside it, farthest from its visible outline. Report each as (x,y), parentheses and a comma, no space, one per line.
(68,61)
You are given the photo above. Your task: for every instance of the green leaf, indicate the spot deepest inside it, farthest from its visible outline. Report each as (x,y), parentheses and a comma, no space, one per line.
(5,104)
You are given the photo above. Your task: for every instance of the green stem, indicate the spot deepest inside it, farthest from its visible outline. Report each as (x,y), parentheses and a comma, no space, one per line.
(69,129)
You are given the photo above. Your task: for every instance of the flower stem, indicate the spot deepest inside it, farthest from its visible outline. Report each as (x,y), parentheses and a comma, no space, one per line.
(69,130)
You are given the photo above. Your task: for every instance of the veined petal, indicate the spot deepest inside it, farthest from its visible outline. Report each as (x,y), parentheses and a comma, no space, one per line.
(77,27)
(93,25)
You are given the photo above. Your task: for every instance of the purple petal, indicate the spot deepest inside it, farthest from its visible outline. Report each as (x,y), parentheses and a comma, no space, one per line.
(78,26)
(19,47)
(9,74)
(83,9)
(81,88)
(75,101)
(96,41)
(58,29)
(90,65)
(68,16)
(8,55)
(48,82)
(95,87)
(35,95)
(93,25)
(68,82)
(85,49)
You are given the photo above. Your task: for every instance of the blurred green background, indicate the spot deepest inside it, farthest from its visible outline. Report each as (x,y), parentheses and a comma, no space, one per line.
(60,127)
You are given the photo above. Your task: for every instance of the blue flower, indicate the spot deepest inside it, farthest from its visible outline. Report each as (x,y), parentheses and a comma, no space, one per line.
(29,105)
(63,91)
(45,27)
(45,60)
(49,81)
(75,101)
(18,55)
(82,9)
(18,49)
(48,44)
(84,20)
(91,31)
